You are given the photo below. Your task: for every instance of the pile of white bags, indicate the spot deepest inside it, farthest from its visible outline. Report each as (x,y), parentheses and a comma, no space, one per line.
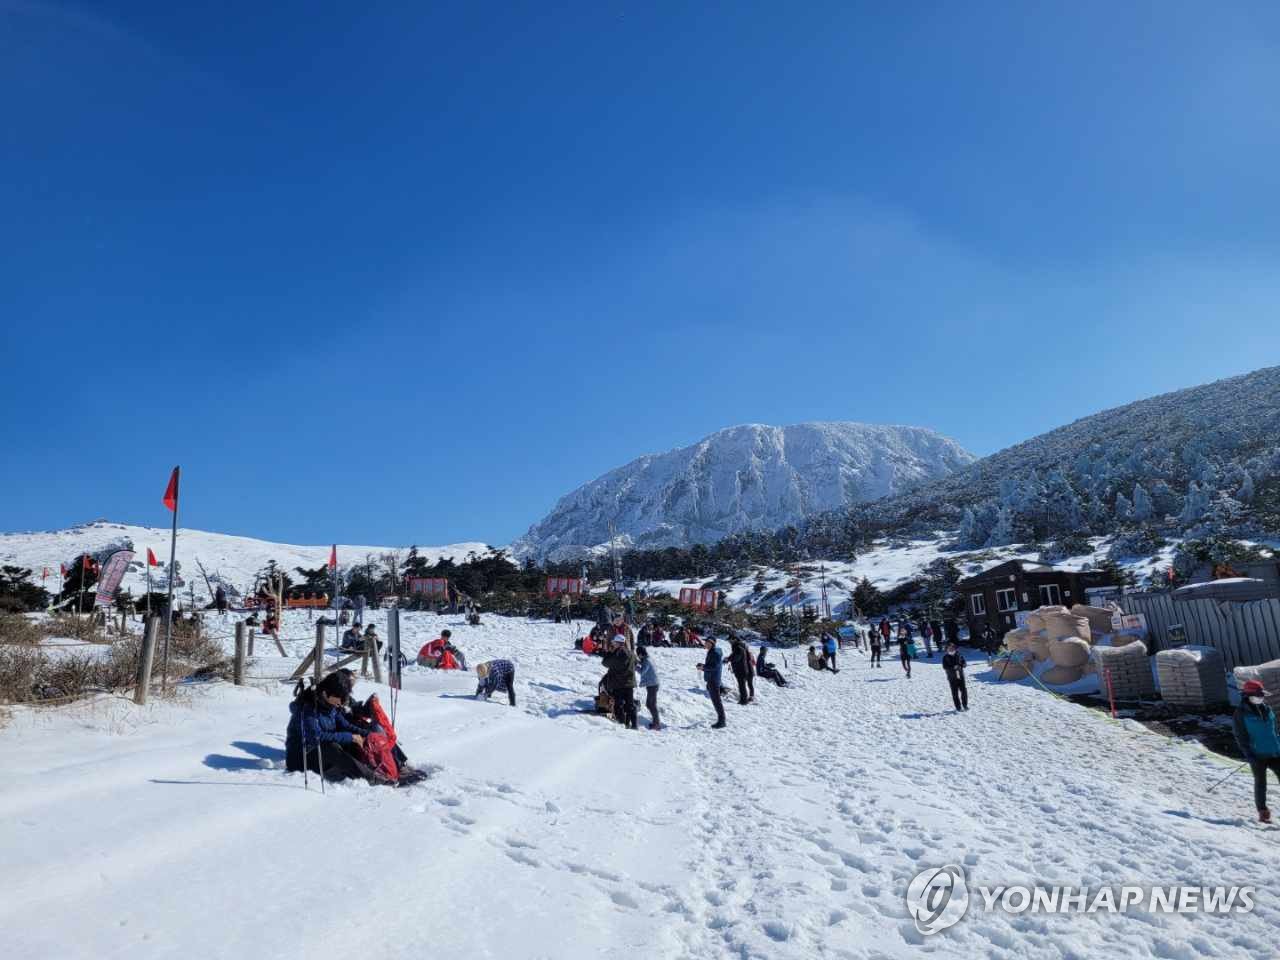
(1192,677)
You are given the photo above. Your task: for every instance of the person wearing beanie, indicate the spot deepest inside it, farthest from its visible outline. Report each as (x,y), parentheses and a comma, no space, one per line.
(712,673)
(1254,725)
(496,675)
(953,664)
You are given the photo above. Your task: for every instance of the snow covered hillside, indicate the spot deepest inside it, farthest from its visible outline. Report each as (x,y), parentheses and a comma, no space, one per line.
(235,560)
(547,833)
(744,478)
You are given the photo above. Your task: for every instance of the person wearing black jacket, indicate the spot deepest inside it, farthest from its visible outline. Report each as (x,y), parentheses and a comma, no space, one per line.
(712,670)
(953,665)
(620,681)
(741,665)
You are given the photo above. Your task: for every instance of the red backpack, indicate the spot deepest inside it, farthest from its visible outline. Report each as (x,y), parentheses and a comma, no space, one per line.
(379,748)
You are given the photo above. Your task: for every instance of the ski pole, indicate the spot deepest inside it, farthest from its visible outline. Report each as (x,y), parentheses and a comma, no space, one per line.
(1227,777)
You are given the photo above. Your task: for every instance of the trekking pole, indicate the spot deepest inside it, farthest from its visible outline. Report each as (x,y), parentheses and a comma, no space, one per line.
(1227,777)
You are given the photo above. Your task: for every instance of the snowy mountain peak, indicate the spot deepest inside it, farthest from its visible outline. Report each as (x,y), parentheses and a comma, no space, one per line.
(749,477)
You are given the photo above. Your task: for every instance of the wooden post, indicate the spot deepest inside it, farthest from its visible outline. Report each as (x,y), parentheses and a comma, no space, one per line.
(371,651)
(241,639)
(145,659)
(319,653)
(252,634)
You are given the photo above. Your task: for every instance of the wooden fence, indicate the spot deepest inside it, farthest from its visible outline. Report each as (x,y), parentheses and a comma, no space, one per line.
(1246,633)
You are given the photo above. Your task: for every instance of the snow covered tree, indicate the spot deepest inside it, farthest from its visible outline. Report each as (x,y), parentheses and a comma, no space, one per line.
(972,534)
(1143,508)
(1004,532)
(1246,493)
(1124,508)
(1196,504)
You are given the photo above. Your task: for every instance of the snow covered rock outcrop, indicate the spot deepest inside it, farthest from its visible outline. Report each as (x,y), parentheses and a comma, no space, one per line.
(745,478)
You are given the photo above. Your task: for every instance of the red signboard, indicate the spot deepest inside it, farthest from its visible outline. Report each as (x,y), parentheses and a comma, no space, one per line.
(558,585)
(431,586)
(703,600)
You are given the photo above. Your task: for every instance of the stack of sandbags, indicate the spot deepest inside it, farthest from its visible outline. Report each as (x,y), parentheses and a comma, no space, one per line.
(1069,657)
(1130,671)
(1194,678)
(1062,623)
(1099,618)
(1269,674)
(1035,619)
(1014,666)
(1023,640)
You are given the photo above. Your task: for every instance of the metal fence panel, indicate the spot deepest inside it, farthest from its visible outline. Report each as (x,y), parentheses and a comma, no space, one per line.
(1246,633)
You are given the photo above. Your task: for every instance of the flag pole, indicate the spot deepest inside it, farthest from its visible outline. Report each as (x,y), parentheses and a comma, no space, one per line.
(168,612)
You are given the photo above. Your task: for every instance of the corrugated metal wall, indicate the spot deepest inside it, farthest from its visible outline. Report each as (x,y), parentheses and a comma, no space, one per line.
(1246,633)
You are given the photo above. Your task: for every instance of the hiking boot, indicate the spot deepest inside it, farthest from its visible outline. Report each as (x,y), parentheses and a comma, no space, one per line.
(1264,815)
(720,725)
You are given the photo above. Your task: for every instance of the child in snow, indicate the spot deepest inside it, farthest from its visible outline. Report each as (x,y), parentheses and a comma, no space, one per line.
(495,675)
(649,680)
(953,665)
(712,673)
(1254,725)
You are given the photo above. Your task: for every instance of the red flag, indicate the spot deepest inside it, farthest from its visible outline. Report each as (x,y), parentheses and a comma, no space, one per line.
(151,559)
(333,558)
(171,492)
(45,574)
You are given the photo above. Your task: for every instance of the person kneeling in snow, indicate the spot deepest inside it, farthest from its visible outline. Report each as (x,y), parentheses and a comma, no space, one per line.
(441,654)
(494,675)
(1254,725)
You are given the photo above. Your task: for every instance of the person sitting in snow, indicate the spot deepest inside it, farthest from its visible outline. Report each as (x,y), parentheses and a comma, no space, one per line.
(320,736)
(816,660)
(1254,725)
(767,670)
(494,675)
(441,654)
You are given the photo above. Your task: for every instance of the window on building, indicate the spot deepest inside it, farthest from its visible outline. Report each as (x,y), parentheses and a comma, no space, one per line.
(978,604)
(1006,600)
(1050,596)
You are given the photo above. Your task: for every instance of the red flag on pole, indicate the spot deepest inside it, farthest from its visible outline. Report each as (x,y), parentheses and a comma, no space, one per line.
(333,558)
(171,492)
(151,559)
(45,574)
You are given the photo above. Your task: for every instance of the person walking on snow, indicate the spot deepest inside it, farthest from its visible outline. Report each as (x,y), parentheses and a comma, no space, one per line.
(876,640)
(904,655)
(358,619)
(649,680)
(926,634)
(712,673)
(1254,725)
(884,631)
(953,665)
(830,647)
(495,675)
(620,680)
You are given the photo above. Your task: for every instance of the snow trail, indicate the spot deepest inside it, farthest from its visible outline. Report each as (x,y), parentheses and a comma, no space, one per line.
(544,832)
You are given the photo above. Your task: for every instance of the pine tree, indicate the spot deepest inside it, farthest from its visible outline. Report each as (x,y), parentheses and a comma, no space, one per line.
(1124,508)
(1246,492)
(1004,532)
(1142,505)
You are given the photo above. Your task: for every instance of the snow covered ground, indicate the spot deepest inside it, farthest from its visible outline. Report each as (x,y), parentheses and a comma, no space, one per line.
(547,833)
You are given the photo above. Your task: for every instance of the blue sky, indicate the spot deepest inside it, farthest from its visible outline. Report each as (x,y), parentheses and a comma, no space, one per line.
(412,272)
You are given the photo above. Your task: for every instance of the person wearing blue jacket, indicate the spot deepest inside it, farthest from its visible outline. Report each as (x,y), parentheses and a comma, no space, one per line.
(1254,725)
(319,735)
(712,673)
(649,680)
(830,647)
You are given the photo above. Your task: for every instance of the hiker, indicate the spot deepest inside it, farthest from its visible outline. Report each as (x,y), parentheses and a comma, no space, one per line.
(875,639)
(649,680)
(905,647)
(220,600)
(884,631)
(495,674)
(620,680)
(926,634)
(352,639)
(767,670)
(742,667)
(620,629)
(904,632)
(953,665)
(358,619)
(319,735)
(712,673)
(829,647)
(1254,725)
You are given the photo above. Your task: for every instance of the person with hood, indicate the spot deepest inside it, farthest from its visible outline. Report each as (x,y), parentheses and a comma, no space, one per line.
(767,670)
(1254,725)
(496,675)
(741,665)
(319,736)
(620,680)
(712,674)
(875,640)
(953,664)
(829,650)
(649,680)
(905,649)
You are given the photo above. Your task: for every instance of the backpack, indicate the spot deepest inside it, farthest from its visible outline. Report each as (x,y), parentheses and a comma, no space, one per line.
(378,752)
